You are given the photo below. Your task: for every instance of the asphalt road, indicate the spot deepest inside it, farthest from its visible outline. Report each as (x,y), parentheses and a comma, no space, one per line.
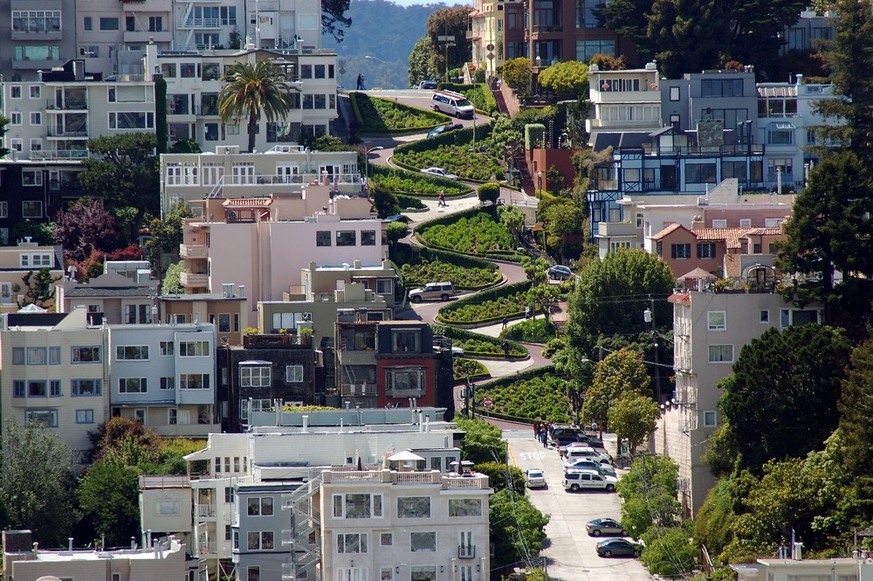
(569,551)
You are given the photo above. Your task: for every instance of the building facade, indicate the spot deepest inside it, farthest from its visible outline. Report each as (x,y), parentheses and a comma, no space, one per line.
(16,262)
(116,298)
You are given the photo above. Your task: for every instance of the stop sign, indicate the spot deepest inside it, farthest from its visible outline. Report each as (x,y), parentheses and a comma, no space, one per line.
(487,402)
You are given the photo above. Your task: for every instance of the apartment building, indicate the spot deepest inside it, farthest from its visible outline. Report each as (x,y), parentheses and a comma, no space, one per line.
(624,104)
(23,560)
(709,330)
(53,374)
(164,376)
(19,260)
(112,298)
(226,310)
(39,37)
(270,480)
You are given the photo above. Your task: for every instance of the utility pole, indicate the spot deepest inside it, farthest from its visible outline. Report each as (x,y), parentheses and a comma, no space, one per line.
(447,40)
(649,317)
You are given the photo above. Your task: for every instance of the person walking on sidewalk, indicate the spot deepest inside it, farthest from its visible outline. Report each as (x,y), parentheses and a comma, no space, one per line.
(442,198)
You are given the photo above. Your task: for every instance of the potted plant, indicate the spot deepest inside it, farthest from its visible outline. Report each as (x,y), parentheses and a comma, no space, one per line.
(306,335)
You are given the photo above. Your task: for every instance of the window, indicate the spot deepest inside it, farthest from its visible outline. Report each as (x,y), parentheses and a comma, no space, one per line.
(254,376)
(706,250)
(465,507)
(18,388)
(31,177)
(260,540)
(86,387)
(131,120)
(386,574)
(85,354)
(224,323)
(422,542)
(351,543)
(37,53)
(15,118)
(37,388)
(137,314)
(132,385)
(700,173)
(39,21)
(346,238)
(717,320)
(293,373)
(36,145)
(194,381)
(16,144)
(42,259)
(322,238)
(427,573)
(4,209)
(721,353)
(721,88)
(35,118)
(357,506)
(84,416)
(45,418)
(386,539)
(167,348)
(413,507)
(368,238)
(259,506)
(680,250)
(156,24)
(15,93)
(764,317)
(108,23)
(253,573)
(405,379)
(168,383)
(674,93)
(168,507)
(55,388)
(745,222)
(405,341)
(384,286)
(132,352)
(709,418)
(194,349)
(796,317)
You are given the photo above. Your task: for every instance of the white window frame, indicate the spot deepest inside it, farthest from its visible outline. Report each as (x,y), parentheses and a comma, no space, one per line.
(293,374)
(123,386)
(719,223)
(255,375)
(342,543)
(710,418)
(339,503)
(720,360)
(713,323)
(36,117)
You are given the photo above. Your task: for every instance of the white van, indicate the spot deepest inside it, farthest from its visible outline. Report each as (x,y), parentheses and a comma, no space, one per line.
(452,103)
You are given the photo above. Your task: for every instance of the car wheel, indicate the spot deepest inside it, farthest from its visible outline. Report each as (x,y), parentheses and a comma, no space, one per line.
(607,553)
(610,488)
(445,297)
(574,487)
(416,299)
(596,533)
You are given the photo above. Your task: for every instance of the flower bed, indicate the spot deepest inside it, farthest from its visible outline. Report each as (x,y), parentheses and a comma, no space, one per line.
(464,368)
(534,396)
(480,233)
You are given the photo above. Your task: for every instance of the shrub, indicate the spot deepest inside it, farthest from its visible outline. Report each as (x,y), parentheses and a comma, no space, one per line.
(537,397)
(532,331)
(396,231)
(462,277)
(481,233)
(477,345)
(500,474)
(464,368)
(457,159)
(376,114)
(492,305)
(489,192)
(400,181)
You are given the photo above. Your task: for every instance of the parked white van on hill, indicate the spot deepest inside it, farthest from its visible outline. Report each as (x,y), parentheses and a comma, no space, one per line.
(452,103)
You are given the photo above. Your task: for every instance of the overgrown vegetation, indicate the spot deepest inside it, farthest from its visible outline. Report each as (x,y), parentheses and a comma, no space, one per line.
(478,166)
(462,368)
(477,345)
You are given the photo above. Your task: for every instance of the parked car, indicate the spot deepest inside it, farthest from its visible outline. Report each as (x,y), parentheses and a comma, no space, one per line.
(618,548)
(432,291)
(585,451)
(604,526)
(443,128)
(575,480)
(565,435)
(439,172)
(429,85)
(559,272)
(534,478)
(586,464)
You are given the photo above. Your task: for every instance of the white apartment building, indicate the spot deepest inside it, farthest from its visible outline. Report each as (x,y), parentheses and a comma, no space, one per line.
(164,376)
(53,374)
(709,330)
(624,100)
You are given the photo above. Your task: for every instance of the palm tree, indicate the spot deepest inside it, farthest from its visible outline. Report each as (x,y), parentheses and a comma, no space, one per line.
(253,90)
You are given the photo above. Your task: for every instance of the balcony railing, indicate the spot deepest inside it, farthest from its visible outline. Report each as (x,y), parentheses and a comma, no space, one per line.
(466,551)
(192,251)
(205,511)
(192,279)
(48,154)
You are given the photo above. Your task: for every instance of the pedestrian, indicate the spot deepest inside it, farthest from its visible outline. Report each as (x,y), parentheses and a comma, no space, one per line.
(505,322)
(360,82)
(506,349)
(442,198)
(545,439)
(527,312)
(536,429)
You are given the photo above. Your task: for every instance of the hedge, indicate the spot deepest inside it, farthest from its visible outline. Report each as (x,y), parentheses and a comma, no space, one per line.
(370,120)
(412,255)
(385,174)
(461,334)
(419,229)
(457,137)
(485,296)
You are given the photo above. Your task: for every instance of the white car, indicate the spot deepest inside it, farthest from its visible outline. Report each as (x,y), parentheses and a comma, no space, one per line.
(439,172)
(577,452)
(534,478)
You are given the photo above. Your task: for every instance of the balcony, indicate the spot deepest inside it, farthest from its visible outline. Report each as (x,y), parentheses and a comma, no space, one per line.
(62,134)
(466,551)
(48,154)
(190,279)
(205,511)
(207,548)
(200,23)
(193,251)
(362,389)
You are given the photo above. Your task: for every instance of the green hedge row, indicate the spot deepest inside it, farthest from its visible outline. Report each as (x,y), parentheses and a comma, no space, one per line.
(457,137)
(411,182)
(383,115)
(456,333)
(419,229)
(411,253)
(486,296)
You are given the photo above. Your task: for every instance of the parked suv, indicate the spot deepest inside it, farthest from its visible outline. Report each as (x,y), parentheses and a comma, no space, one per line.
(575,480)
(432,291)
(587,452)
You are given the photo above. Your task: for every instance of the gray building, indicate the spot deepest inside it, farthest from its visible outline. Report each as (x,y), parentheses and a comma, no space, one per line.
(35,36)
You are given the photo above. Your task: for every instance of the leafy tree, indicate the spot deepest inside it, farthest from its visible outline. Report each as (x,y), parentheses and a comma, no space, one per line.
(40,289)
(109,498)
(166,236)
(43,233)
(612,294)
(856,409)
(251,91)
(648,492)
(565,223)
(633,417)
(185,146)
(850,63)
(535,269)
(3,123)
(125,174)
(396,232)
(687,35)
(620,373)
(667,551)
(482,442)
(117,432)
(451,21)
(518,528)
(542,298)
(517,74)
(501,476)
(713,521)
(489,192)
(85,226)
(627,18)
(334,19)
(514,220)
(384,201)
(793,375)
(36,483)
(830,230)
(567,79)
(172,282)
(422,61)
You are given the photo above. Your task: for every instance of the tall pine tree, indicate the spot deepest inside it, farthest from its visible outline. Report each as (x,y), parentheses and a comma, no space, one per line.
(856,409)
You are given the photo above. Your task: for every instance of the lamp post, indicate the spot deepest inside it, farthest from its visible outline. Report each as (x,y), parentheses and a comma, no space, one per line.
(577,400)
(367,160)
(372,58)
(649,317)
(539,183)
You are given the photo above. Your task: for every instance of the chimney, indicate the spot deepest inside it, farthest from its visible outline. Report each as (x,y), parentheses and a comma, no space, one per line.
(696,222)
(357,264)
(305,423)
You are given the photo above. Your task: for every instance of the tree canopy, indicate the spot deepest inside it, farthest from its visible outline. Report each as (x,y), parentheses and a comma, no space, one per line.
(620,373)
(422,61)
(85,226)
(633,417)
(482,442)
(856,409)
(567,79)
(251,91)
(518,528)
(452,21)
(648,491)
(517,72)
(794,375)
(334,19)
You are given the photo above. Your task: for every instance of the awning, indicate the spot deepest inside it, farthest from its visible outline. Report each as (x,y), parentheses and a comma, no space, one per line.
(405,456)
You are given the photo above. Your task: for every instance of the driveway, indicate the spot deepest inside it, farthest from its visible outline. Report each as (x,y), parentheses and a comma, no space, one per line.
(569,552)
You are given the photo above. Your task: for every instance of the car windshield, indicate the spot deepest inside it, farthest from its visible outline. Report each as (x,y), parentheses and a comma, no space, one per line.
(534,473)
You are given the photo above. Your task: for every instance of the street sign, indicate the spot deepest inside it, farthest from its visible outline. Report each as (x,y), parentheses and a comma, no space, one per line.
(490,56)
(487,402)
(489,47)
(446,38)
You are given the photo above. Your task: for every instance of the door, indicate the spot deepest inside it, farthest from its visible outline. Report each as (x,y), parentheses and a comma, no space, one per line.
(243,173)
(288,174)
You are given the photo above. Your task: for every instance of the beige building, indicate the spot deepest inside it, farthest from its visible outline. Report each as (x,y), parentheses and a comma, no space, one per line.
(856,568)
(226,310)
(709,331)
(53,374)
(16,261)
(486,36)
(155,561)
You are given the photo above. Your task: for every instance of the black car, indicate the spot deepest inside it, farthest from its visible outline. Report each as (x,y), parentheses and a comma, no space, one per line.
(618,548)
(443,128)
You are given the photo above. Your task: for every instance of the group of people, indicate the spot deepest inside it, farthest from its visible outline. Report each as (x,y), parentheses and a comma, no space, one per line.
(541,433)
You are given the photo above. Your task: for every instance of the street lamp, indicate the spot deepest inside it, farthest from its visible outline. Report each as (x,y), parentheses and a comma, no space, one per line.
(367,159)
(372,58)
(649,317)
(539,183)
